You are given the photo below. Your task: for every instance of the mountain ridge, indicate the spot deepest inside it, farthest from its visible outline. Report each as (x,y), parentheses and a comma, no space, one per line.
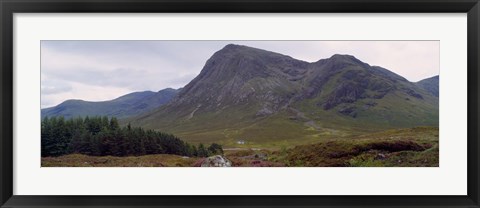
(251,90)
(126,105)
(430,84)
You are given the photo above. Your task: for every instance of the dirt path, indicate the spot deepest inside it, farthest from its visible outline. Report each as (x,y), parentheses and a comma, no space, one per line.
(314,125)
(193,112)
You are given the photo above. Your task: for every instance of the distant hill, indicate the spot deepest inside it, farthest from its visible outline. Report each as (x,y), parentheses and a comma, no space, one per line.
(265,97)
(430,84)
(128,105)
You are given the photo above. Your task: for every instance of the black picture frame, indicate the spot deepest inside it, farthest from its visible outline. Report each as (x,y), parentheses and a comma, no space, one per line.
(9,7)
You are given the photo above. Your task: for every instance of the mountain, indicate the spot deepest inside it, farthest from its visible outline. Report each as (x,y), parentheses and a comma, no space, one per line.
(430,84)
(128,105)
(265,97)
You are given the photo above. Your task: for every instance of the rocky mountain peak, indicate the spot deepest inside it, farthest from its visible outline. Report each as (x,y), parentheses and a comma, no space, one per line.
(344,57)
(244,84)
(237,52)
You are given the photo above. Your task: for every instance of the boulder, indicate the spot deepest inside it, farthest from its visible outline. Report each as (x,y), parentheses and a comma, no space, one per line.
(216,161)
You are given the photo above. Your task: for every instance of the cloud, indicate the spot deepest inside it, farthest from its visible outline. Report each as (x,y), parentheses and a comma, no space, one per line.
(55,89)
(103,70)
(54,86)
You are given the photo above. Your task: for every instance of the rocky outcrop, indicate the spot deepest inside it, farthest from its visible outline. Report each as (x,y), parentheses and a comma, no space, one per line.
(345,93)
(216,161)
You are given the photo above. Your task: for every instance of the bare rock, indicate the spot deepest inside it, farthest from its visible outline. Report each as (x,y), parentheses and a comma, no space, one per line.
(216,161)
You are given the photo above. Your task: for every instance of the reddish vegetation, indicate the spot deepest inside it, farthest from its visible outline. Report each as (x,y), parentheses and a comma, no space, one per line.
(387,149)
(246,161)
(394,146)
(199,162)
(261,163)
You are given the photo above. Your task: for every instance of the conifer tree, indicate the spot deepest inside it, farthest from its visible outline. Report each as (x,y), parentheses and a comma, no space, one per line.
(100,136)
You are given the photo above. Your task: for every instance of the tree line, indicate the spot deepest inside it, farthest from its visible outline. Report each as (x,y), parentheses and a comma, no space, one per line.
(101,136)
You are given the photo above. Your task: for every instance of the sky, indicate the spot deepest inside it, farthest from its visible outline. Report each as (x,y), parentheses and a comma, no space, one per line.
(104,70)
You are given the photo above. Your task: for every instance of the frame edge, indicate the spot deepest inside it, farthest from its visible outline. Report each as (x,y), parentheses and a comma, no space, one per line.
(6,95)
(473,21)
(6,114)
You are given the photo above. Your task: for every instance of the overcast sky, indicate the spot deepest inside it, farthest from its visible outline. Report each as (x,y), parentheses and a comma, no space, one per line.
(104,70)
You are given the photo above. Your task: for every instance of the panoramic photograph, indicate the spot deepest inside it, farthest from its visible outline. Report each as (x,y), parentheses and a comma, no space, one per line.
(135,103)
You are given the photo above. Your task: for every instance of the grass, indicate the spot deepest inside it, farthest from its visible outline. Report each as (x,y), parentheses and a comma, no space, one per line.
(287,129)
(384,115)
(416,147)
(412,147)
(78,160)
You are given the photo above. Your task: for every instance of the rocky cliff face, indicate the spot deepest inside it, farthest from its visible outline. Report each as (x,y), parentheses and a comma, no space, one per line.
(239,75)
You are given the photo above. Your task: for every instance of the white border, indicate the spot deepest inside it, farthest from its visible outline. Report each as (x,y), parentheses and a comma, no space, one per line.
(449,179)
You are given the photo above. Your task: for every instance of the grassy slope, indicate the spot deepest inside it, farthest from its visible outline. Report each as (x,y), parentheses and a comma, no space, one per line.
(273,132)
(286,129)
(386,114)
